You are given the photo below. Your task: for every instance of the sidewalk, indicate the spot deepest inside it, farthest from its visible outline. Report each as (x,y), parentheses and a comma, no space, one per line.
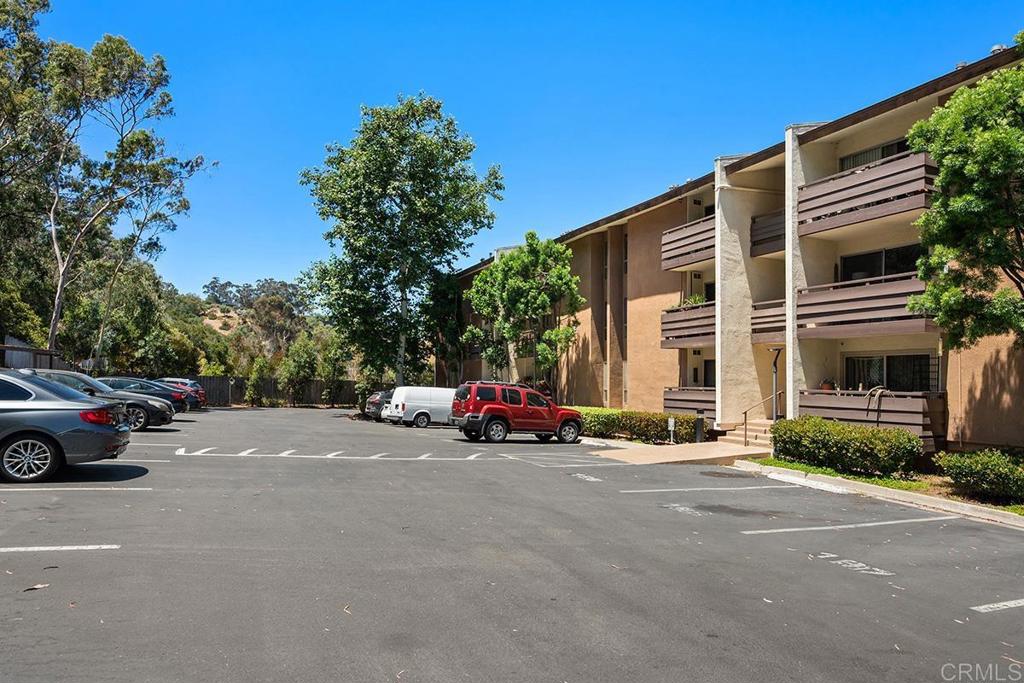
(707,453)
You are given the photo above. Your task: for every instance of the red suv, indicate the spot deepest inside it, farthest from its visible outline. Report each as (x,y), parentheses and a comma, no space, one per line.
(495,409)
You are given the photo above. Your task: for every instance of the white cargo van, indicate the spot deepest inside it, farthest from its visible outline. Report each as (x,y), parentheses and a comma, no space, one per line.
(420,406)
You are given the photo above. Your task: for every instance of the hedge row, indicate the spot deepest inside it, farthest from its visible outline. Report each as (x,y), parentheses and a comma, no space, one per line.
(606,423)
(856,449)
(989,475)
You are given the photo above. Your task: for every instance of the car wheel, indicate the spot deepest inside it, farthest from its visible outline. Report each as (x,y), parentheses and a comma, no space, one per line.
(544,437)
(568,432)
(378,418)
(28,458)
(422,421)
(471,434)
(495,431)
(138,418)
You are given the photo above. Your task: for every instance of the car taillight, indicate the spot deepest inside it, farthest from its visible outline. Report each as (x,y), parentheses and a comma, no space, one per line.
(100,416)
(177,395)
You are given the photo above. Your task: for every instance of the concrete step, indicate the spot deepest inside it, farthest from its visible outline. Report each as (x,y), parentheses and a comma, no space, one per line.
(737,439)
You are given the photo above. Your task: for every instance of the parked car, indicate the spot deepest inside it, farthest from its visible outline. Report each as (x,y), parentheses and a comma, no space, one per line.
(142,411)
(191,397)
(44,425)
(176,396)
(375,403)
(494,410)
(189,384)
(420,406)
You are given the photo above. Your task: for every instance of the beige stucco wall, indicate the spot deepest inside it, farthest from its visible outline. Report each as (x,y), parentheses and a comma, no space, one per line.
(581,370)
(985,390)
(742,280)
(650,291)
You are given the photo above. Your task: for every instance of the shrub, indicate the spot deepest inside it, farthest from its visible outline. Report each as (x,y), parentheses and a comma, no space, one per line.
(254,387)
(845,447)
(604,423)
(989,475)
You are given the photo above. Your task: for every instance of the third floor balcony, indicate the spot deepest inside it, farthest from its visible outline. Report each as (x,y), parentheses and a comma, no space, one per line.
(688,244)
(891,186)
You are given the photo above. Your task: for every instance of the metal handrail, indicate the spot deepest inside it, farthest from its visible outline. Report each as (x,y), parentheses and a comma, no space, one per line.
(780,392)
(876,391)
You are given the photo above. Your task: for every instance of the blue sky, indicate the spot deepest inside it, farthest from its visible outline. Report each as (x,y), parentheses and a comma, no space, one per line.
(588,107)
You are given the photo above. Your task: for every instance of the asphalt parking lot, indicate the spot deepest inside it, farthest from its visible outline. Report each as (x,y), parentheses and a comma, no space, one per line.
(268,545)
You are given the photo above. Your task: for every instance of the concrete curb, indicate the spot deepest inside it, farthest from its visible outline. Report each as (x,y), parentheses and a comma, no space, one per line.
(968,510)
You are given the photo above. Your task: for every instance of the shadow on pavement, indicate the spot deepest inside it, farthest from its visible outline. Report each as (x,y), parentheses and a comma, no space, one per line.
(95,472)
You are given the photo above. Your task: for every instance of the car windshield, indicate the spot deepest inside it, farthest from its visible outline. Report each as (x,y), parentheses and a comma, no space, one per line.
(55,388)
(94,383)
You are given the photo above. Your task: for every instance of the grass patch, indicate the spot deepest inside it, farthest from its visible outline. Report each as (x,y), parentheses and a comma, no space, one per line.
(888,482)
(1015,509)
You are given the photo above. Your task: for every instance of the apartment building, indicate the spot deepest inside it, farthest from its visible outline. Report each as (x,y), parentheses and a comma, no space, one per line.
(777,285)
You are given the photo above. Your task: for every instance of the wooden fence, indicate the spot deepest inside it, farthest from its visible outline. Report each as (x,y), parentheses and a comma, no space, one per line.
(220,391)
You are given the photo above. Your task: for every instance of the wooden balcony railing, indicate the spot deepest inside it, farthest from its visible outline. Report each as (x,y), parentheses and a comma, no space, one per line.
(768,322)
(884,188)
(860,308)
(689,400)
(768,233)
(688,244)
(689,327)
(922,413)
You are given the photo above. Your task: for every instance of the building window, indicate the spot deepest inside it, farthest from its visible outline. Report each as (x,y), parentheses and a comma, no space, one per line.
(873,154)
(709,372)
(709,291)
(896,372)
(878,263)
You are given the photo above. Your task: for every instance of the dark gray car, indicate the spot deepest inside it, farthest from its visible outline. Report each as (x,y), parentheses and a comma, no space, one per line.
(44,425)
(143,411)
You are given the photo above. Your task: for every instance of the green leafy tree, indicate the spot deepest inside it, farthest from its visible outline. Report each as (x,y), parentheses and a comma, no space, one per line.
(530,299)
(974,228)
(404,200)
(260,372)
(17,318)
(334,360)
(442,316)
(298,367)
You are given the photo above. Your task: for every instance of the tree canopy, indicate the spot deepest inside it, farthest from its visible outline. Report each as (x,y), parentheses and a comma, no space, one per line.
(404,201)
(528,299)
(974,228)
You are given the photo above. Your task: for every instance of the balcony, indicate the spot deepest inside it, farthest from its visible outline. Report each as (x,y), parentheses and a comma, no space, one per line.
(922,413)
(768,233)
(888,187)
(768,322)
(860,308)
(689,400)
(688,244)
(689,327)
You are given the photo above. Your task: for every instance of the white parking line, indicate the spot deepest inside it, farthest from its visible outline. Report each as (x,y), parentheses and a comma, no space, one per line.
(47,548)
(331,455)
(199,452)
(161,445)
(851,526)
(474,456)
(378,455)
(284,453)
(424,456)
(712,488)
(22,489)
(248,451)
(999,606)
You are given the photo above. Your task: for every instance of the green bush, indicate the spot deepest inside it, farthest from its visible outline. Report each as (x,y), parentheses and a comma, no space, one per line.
(988,475)
(254,387)
(606,423)
(845,447)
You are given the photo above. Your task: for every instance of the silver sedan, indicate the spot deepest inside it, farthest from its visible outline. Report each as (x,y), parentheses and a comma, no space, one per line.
(44,425)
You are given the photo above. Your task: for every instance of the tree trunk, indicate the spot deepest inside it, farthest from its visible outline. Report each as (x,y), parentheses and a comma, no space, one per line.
(513,367)
(58,307)
(98,350)
(403,314)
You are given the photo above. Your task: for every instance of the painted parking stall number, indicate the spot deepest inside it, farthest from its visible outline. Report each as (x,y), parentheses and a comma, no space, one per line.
(852,565)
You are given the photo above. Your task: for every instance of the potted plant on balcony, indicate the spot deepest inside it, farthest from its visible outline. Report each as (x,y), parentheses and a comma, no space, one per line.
(692,300)
(827,384)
